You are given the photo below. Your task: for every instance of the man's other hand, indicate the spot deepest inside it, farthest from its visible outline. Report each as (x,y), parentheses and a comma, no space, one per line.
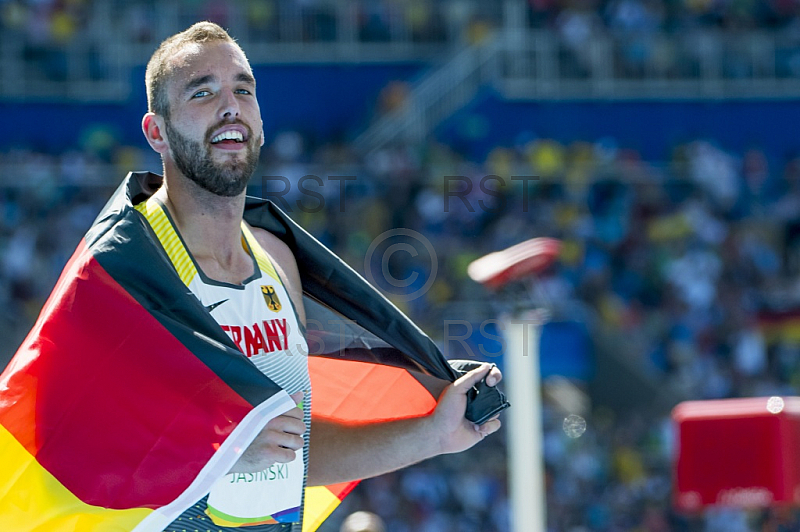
(276,443)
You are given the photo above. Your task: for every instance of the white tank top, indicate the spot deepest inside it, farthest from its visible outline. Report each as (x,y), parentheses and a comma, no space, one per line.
(261,320)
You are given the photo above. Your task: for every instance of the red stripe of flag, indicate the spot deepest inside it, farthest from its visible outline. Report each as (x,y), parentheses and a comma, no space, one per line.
(109,402)
(359,392)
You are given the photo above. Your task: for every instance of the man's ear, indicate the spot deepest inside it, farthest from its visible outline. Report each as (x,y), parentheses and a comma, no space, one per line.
(153,129)
(262,133)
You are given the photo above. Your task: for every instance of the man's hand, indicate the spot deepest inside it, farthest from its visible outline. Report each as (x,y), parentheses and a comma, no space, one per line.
(276,443)
(455,432)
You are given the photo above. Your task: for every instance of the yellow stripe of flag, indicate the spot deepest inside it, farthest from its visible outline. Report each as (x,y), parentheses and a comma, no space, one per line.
(32,499)
(320,503)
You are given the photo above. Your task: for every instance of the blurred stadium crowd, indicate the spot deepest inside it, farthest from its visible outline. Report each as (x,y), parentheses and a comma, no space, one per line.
(671,264)
(425,20)
(45,27)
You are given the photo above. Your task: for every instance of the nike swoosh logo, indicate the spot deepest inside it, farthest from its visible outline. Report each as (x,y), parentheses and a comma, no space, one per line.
(215,305)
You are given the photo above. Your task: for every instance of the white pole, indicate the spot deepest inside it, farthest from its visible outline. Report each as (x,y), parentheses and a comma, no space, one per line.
(525,458)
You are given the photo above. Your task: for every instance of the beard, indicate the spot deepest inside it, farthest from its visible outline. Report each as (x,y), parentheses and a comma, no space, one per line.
(194,160)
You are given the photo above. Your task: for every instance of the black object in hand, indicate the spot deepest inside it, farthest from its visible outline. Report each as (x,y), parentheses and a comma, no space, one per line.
(484,402)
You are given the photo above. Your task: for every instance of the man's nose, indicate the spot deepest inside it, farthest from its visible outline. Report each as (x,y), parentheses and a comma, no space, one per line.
(229,106)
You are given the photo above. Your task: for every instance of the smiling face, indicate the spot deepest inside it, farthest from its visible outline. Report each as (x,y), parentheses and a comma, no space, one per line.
(213,132)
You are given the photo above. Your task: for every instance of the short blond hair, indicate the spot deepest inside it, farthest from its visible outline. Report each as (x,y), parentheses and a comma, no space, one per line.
(160,68)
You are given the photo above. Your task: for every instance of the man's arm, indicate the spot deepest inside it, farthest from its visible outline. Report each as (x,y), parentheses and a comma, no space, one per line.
(339,453)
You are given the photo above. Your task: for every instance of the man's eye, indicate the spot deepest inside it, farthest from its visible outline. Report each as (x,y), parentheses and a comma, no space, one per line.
(200,94)
(242,91)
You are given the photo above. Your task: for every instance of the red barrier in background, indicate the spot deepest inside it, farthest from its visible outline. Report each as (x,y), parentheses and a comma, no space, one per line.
(743,453)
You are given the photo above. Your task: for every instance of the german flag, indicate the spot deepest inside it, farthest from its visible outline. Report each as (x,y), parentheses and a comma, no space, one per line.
(127,400)
(777,325)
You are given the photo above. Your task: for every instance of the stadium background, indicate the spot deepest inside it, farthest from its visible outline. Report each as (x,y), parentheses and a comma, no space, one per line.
(661,137)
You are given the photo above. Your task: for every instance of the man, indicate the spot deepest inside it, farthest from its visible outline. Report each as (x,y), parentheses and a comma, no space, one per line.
(204,121)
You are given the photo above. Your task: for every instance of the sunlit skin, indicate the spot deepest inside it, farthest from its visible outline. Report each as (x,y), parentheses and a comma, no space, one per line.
(213,89)
(212,85)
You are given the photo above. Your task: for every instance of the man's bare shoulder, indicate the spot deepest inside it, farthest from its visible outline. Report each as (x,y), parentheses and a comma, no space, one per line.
(275,247)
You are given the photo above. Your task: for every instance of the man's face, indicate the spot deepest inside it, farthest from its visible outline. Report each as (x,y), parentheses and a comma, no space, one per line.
(214,129)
